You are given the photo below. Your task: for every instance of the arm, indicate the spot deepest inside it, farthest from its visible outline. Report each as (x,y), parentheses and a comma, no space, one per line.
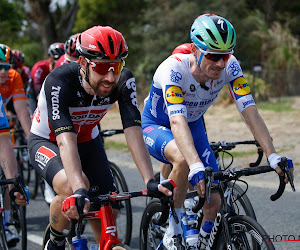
(67,143)
(140,155)
(9,164)
(184,139)
(23,115)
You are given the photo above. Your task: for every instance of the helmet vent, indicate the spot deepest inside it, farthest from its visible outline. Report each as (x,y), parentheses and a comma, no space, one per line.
(212,36)
(200,38)
(101,48)
(111,45)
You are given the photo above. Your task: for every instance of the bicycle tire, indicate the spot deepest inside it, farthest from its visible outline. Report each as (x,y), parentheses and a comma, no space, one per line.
(151,235)
(238,196)
(246,232)
(124,219)
(3,243)
(18,224)
(32,182)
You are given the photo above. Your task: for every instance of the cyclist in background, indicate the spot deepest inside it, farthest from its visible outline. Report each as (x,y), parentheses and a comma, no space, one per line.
(42,68)
(64,143)
(70,54)
(8,164)
(11,87)
(39,72)
(184,86)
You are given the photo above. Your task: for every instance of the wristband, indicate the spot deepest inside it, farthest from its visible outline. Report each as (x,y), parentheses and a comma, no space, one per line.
(273,160)
(198,165)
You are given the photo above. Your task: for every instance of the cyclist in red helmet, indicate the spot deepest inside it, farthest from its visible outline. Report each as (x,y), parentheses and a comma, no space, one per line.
(70,55)
(185,48)
(65,145)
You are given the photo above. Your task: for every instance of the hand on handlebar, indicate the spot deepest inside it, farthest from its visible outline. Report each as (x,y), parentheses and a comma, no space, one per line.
(274,160)
(196,177)
(76,205)
(17,196)
(155,189)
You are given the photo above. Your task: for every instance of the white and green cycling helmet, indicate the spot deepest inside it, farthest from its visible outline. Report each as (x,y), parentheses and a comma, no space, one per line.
(213,32)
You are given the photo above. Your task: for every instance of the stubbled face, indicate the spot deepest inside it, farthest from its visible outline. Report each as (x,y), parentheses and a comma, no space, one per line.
(102,85)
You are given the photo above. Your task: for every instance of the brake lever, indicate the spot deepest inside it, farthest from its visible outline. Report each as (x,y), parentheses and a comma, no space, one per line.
(208,176)
(285,168)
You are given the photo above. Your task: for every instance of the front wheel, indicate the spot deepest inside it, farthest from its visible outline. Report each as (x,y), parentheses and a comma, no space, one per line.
(246,233)
(124,219)
(151,235)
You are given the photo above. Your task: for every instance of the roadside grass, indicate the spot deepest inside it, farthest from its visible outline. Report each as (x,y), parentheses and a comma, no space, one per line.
(277,105)
(113,145)
(237,154)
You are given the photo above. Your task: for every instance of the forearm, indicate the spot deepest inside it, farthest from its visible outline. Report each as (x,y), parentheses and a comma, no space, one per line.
(139,152)
(259,129)
(184,139)
(7,157)
(67,143)
(23,116)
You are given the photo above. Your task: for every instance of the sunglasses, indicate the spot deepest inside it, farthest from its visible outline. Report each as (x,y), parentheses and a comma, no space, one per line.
(216,56)
(5,66)
(103,68)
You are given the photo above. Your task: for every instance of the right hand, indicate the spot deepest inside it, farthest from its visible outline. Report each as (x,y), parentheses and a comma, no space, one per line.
(155,188)
(196,177)
(76,204)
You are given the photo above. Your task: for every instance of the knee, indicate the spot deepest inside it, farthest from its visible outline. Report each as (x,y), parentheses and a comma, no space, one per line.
(180,166)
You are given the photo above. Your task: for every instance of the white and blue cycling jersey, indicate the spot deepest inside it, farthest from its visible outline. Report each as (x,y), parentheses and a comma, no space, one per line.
(174,91)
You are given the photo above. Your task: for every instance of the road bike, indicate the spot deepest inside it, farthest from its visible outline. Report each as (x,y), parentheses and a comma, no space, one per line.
(230,231)
(17,222)
(109,231)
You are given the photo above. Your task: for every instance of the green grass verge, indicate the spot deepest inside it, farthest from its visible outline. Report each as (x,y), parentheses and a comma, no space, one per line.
(279,105)
(116,146)
(237,154)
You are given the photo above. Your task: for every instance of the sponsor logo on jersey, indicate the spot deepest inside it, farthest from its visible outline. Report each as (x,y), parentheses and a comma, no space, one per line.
(248,103)
(149,141)
(178,112)
(240,87)
(130,84)
(94,189)
(55,102)
(44,155)
(234,68)
(154,101)
(174,95)
(192,88)
(86,117)
(175,76)
(65,128)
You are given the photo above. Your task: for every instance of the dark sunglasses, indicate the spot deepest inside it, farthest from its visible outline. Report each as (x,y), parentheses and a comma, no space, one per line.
(103,68)
(216,56)
(5,66)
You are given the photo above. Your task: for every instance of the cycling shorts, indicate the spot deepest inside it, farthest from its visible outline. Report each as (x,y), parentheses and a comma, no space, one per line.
(45,158)
(157,137)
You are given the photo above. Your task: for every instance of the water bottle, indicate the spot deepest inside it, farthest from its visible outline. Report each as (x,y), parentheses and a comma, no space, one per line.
(94,247)
(80,243)
(205,234)
(192,238)
(191,216)
(185,226)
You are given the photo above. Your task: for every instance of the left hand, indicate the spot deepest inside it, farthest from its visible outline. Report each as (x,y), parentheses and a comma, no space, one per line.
(274,159)
(17,197)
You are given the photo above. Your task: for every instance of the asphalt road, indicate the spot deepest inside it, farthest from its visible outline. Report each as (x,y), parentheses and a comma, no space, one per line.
(280,219)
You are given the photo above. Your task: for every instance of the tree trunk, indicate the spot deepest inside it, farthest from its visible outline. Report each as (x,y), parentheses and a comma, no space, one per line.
(41,15)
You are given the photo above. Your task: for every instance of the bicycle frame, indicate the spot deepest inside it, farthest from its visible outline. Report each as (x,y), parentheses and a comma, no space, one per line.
(109,235)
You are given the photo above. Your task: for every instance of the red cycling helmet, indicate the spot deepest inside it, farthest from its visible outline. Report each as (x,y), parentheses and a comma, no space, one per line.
(184,48)
(70,45)
(18,58)
(56,50)
(102,42)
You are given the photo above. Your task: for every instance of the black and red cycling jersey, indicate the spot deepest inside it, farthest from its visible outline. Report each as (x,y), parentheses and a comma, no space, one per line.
(64,105)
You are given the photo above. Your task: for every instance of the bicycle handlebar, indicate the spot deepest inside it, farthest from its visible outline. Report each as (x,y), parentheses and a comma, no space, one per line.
(235,174)
(110,132)
(223,146)
(18,183)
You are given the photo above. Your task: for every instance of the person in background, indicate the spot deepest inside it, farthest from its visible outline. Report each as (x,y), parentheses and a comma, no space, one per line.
(70,55)
(184,86)
(39,72)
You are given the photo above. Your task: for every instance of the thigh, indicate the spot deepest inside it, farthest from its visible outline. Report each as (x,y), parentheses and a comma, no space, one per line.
(202,144)
(156,138)
(44,157)
(96,167)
